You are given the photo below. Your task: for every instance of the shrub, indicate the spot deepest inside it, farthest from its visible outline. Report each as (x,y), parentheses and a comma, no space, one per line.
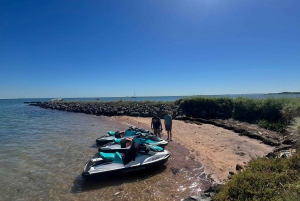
(291,110)
(279,126)
(264,179)
(271,113)
(271,107)
(221,107)
(246,109)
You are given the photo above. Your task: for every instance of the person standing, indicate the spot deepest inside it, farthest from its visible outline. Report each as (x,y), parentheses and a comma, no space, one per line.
(168,125)
(156,125)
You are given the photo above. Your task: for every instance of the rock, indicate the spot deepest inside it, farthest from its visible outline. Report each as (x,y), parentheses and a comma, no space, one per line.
(174,170)
(135,114)
(215,188)
(200,198)
(182,117)
(289,141)
(231,172)
(285,154)
(191,198)
(239,166)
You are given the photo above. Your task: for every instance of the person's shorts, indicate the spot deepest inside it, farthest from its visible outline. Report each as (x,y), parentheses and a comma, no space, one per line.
(156,131)
(168,127)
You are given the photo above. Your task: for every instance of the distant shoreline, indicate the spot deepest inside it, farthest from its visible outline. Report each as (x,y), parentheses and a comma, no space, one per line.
(285,92)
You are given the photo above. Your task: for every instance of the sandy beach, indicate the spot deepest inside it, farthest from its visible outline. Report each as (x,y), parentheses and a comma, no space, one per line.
(218,149)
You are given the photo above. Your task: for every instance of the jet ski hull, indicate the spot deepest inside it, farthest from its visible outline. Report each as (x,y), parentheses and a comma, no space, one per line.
(107,168)
(104,140)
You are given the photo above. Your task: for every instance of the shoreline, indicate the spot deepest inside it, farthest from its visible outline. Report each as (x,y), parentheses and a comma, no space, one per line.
(218,149)
(219,143)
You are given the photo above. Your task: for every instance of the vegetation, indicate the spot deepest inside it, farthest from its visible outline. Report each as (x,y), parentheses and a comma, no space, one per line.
(275,179)
(211,107)
(265,179)
(271,113)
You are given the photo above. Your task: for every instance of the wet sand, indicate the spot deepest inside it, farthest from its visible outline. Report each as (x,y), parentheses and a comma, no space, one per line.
(217,149)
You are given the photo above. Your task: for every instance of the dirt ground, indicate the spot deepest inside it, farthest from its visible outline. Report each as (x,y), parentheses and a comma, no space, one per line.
(218,149)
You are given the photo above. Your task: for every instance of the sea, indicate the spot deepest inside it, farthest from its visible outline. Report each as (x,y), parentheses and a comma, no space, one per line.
(173,98)
(43,153)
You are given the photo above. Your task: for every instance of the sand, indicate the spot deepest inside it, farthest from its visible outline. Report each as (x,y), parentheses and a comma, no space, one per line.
(218,149)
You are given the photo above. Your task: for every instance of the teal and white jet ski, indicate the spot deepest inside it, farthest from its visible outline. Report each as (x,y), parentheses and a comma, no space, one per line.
(139,157)
(123,144)
(111,135)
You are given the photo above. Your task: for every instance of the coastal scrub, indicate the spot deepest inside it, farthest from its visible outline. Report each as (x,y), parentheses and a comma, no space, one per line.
(265,179)
(271,113)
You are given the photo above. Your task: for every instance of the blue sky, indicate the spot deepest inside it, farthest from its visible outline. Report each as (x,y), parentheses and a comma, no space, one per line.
(109,48)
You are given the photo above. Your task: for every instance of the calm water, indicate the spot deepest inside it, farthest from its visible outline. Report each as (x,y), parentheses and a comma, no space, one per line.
(43,152)
(159,98)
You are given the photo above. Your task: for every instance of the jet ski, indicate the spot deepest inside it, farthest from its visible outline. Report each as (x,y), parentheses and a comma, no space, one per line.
(138,157)
(123,144)
(120,134)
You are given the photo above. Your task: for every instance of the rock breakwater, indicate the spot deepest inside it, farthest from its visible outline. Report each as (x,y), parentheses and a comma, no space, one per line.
(130,108)
(151,108)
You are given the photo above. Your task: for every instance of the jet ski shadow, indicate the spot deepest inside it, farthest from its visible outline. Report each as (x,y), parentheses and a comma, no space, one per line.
(82,185)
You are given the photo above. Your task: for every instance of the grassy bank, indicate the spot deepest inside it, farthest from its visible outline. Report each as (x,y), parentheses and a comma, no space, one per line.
(265,179)
(272,113)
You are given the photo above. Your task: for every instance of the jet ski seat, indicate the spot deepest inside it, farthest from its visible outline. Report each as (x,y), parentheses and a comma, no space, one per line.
(115,157)
(156,148)
(131,133)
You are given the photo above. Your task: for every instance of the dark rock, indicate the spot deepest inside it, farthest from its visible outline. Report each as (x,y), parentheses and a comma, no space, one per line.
(239,167)
(120,113)
(174,170)
(135,114)
(183,117)
(215,188)
(191,198)
(289,141)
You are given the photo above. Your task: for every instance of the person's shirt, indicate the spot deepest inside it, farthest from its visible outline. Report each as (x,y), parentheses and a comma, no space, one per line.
(168,120)
(156,122)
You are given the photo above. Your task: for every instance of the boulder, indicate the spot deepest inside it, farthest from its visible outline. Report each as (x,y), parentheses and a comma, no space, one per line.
(239,166)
